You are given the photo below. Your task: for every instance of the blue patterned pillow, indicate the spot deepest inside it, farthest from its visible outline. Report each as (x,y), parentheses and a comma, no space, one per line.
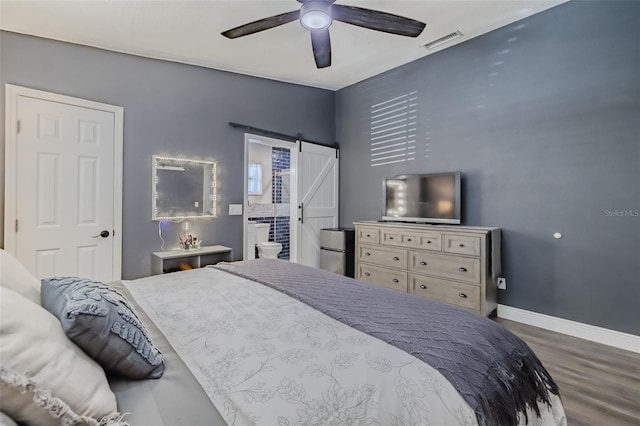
(101,321)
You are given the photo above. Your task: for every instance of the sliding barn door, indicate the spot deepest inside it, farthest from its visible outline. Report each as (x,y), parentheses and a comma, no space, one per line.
(317,198)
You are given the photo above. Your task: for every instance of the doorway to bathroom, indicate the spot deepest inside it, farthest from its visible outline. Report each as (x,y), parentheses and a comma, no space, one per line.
(270,197)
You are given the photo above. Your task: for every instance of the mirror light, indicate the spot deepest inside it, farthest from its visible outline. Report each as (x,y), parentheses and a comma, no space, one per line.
(174,168)
(198,207)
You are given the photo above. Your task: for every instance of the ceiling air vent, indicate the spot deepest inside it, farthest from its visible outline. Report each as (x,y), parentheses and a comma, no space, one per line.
(443,40)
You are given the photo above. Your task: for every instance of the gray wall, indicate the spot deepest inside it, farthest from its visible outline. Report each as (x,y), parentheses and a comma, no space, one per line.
(170,109)
(548,140)
(542,117)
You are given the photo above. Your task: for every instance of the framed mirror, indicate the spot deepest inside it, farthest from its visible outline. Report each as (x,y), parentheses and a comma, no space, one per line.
(183,189)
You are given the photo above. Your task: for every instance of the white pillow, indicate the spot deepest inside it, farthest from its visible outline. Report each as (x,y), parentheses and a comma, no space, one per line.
(15,276)
(6,420)
(45,379)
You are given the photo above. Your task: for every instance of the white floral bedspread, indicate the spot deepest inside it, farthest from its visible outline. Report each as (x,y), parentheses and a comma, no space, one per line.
(265,358)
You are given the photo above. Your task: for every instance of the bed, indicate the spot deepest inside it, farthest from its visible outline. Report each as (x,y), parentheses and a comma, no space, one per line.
(275,343)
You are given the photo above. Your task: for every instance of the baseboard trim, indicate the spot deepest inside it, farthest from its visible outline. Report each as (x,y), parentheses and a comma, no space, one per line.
(629,342)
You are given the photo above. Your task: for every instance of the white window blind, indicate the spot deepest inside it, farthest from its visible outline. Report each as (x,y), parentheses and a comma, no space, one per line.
(393,130)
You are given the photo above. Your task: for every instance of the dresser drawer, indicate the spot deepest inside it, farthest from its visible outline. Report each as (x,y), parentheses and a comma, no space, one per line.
(391,237)
(383,256)
(462,244)
(406,238)
(454,293)
(368,235)
(444,265)
(390,278)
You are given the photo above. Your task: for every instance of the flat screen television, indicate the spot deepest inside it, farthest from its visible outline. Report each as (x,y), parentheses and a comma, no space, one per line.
(425,198)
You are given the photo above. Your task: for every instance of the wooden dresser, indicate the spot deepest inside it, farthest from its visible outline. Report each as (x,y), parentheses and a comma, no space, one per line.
(446,263)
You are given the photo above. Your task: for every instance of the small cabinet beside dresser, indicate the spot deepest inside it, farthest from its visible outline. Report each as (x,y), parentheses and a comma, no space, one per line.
(446,263)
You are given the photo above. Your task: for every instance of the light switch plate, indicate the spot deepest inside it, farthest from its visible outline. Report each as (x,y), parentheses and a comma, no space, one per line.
(235,209)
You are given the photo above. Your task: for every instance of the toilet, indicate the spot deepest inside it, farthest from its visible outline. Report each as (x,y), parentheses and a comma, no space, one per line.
(266,249)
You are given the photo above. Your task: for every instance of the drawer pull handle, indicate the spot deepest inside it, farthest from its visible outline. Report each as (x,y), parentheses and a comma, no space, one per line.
(408,239)
(368,235)
(423,263)
(367,254)
(366,274)
(464,296)
(396,258)
(395,280)
(461,245)
(462,269)
(428,241)
(391,238)
(422,286)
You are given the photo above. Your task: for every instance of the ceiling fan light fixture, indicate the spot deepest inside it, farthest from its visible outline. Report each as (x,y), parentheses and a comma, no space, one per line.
(316,15)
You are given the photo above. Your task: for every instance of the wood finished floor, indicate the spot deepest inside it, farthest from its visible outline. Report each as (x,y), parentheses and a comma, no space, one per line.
(599,384)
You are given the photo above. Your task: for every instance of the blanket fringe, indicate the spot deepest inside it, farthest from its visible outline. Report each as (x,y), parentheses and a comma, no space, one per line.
(522,371)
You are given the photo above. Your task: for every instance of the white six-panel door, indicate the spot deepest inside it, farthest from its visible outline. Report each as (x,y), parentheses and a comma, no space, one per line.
(317,200)
(65,175)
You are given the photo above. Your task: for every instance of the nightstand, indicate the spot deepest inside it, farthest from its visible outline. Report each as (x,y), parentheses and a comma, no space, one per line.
(169,261)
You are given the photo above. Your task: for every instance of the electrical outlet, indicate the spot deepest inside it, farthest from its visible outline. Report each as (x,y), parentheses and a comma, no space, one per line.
(502,283)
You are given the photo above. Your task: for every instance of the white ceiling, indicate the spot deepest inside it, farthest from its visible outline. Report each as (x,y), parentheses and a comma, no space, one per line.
(189,32)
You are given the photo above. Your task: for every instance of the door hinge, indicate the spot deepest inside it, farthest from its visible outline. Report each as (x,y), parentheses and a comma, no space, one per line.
(18,127)
(16,225)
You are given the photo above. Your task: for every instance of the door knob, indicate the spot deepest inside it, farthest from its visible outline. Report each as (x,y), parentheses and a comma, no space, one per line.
(103,234)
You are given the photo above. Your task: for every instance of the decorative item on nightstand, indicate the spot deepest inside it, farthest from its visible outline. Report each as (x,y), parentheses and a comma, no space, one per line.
(190,242)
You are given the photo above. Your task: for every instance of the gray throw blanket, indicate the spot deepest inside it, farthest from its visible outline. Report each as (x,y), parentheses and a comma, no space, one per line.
(495,372)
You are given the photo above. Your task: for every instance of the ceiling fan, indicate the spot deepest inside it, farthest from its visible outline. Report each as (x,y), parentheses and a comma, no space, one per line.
(318,15)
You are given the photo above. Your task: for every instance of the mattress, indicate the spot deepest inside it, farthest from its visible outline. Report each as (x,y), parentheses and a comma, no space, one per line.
(282,346)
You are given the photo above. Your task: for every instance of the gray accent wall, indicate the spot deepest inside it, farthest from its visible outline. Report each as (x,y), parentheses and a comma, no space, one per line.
(169,109)
(542,117)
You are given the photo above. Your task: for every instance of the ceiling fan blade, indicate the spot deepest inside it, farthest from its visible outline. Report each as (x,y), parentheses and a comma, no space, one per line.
(321,43)
(376,20)
(262,24)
